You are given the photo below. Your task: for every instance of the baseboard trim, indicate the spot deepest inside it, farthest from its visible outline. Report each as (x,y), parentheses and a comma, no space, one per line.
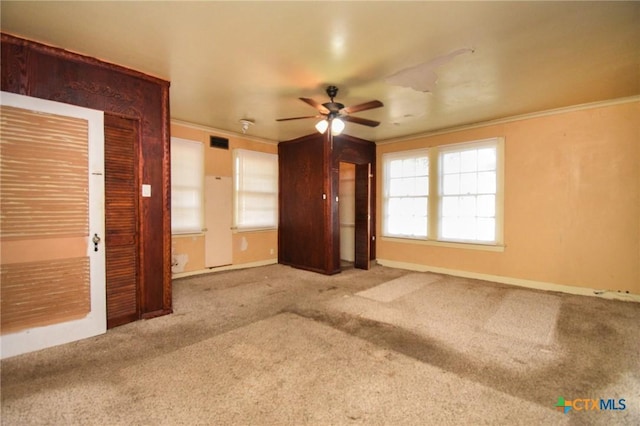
(538,285)
(225,268)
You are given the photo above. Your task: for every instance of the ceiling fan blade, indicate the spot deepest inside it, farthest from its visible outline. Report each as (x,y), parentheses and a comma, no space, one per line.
(316,105)
(359,120)
(362,107)
(298,118)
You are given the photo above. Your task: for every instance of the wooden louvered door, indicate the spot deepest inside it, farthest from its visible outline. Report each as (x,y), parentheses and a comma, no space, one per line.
(121,210)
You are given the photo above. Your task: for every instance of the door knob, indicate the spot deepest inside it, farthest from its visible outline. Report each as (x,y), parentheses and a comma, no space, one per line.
(96,241)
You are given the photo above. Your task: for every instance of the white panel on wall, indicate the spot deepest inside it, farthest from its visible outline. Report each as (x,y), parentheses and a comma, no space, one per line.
(218,219)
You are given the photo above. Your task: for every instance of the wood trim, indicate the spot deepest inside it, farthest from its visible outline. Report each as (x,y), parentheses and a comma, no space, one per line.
(77,57)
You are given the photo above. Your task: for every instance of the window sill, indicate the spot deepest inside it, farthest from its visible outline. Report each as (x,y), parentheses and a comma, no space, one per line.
(241,230)
(188,234)
(448,244)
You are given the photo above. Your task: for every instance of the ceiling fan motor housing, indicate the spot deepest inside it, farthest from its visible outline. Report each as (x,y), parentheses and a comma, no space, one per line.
(332,91)
(333,107)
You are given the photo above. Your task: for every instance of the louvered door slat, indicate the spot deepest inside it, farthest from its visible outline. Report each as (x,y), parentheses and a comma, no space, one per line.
(121,142)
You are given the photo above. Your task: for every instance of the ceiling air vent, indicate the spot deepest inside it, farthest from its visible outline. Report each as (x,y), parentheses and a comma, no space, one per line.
(216,142)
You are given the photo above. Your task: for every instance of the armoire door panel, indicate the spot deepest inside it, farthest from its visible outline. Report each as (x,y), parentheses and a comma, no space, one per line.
(362,216)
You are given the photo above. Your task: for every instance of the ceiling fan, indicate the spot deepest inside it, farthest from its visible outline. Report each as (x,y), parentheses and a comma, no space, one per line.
(335,113)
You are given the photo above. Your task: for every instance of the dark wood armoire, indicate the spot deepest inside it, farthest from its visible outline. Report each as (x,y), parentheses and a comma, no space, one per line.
(136,107)
(309,228)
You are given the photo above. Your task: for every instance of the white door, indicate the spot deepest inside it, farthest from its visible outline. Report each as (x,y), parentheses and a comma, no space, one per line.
(218,219)
(52,193)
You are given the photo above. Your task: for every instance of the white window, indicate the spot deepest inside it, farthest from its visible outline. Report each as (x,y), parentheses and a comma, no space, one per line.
(406,194)
(187,181)
(466,180)
(255,179)
(468,192)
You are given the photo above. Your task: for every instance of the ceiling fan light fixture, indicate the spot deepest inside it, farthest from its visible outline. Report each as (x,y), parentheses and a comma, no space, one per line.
(337,126)
(322,126)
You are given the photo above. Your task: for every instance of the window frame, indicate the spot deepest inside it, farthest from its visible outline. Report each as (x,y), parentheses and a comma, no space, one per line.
(194,145)
(238,225)
(386,187)
(434,236)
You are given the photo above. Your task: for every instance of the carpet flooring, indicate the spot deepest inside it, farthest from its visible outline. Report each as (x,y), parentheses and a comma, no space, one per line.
(275,345)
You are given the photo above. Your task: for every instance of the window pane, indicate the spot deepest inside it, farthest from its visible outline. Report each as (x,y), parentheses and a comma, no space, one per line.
(422,166)
(406,186)
(451,162)
(419,227)
(450,206)
(450,227)
(409,167)
(486,205)
(469,161)
(410,184)
(422,185)
(395,168)
(487,182)
(467,230)
(419,207)
(468,183)
(468,206)
(487,159)
(468,197)
(486,229)
(396,187)
(451,184)
(395,207)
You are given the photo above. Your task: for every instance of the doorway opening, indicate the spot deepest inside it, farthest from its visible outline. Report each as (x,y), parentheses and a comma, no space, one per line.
(347,214)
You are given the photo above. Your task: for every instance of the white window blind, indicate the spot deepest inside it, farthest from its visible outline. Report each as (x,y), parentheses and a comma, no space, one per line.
(255,189)
(187,184)
(406,193)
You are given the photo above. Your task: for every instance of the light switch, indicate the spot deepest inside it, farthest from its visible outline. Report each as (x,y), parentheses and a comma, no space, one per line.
(146,190)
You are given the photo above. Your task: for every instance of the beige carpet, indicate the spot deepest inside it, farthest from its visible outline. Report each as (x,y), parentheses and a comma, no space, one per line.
(276,345)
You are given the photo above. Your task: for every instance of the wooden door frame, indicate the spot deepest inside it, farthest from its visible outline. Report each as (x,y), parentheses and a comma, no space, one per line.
(349,149)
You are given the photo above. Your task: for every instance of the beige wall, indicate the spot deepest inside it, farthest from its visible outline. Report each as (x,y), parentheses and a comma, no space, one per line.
(248,247)
(571,205)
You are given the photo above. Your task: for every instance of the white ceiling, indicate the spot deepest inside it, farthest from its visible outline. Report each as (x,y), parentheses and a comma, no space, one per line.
(251,60)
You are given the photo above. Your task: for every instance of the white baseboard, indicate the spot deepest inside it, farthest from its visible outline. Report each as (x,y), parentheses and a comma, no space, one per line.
(538,285)
(225,268)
